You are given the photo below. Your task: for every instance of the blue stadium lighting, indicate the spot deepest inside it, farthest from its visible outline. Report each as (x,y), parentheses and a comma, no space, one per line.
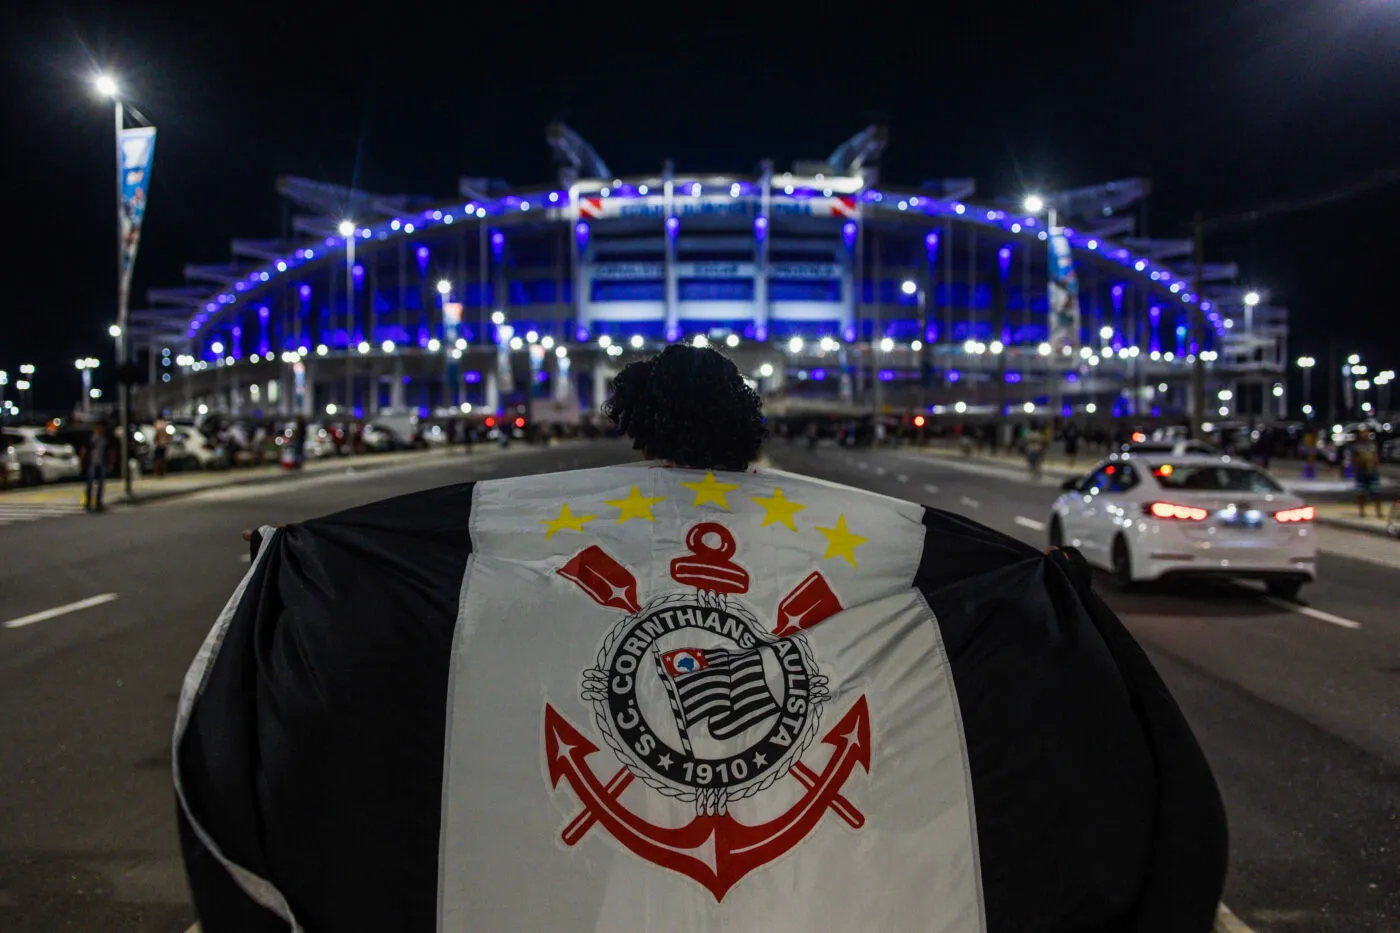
(760,227)
(959,209)
(395,224)
(408,228)
(281,265)
(673,226)
(848,234)
(447,218)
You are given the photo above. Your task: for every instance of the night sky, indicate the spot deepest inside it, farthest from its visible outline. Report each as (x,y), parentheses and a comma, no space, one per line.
(1226,106)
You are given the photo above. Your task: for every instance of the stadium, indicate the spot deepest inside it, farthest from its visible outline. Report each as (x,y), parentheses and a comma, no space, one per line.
(829,289)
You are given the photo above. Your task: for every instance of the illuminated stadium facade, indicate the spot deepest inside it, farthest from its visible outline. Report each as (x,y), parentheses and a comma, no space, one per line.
(828,288)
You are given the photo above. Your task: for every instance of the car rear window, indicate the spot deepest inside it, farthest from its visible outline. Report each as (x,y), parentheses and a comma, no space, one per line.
(1213,478)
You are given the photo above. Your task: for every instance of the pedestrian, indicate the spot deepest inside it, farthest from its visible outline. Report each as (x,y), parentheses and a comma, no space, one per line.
(1034,442)
(95,463)
(682,694)
(1071,436)
(1366,459)
(160,447)
(299,443)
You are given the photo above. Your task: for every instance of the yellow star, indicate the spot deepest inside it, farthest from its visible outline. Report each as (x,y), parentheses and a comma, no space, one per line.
(635,505)
(778,509)
(841,541)
(711,490)
(567,520)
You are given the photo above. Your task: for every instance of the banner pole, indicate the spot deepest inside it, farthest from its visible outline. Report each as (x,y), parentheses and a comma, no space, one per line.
(123,290)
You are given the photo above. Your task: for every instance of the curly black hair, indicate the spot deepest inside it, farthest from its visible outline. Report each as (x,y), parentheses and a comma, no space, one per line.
(689,405)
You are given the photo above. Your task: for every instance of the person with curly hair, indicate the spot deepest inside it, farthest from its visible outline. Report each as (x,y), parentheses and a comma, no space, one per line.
(689,406)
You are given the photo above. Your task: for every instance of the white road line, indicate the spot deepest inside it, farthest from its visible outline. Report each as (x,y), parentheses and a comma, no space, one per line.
(862,465)
(879,471)
(61,610)
(931,489)
(1030,523)
(902,477)
(1312,613)
(1227,922)
(970,503)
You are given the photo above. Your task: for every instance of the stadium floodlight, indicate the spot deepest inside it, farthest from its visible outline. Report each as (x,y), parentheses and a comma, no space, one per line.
(1034,204)
(105,85)
(347,228)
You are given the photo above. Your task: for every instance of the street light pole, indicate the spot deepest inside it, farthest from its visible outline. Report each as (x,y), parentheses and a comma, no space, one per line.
(1306,364)
(348,231)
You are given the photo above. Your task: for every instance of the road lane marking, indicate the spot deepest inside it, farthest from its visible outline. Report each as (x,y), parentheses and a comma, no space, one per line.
(1227,922)
(879,471)
(862,465)
(931,489)
(1030,523)
(61,610)
(902,477)
(1312,613)
(970,503)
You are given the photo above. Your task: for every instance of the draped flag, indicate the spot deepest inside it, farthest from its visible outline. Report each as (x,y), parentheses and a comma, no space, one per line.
(642,698)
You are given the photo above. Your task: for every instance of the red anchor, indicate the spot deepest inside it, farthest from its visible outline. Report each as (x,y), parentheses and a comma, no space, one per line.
(734,849)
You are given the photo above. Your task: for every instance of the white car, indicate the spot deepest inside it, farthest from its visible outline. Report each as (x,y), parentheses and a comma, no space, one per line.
(1148,516)
(41,458)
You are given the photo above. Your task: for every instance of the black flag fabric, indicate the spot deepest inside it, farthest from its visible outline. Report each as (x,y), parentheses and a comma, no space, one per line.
(644,699)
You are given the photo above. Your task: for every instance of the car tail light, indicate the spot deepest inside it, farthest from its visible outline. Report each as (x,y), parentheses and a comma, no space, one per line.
(520,422)
(1172,511)
(1304,513)
(490,422)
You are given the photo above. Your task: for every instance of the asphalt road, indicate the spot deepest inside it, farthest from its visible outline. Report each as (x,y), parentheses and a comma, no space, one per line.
(1300,714)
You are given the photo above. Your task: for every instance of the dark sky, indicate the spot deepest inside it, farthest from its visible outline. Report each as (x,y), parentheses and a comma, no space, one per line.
(1225,105)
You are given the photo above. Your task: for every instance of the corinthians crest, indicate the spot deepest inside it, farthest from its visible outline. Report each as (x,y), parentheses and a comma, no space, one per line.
(704,704)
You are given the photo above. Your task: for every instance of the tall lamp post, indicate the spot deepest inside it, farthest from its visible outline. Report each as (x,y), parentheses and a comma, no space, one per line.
(85,366)
(26,385)
(450,352)
(1035,204)
(910,287)
(347,230)
(1306,364)
(107,87)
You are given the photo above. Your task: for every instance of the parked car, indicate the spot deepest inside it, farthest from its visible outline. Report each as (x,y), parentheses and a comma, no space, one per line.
(11,464)
(1149,516)
(380,437)
(42,458)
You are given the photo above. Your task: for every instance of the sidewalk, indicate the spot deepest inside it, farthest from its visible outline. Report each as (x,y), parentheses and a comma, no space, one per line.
(1339,510)
(150,488)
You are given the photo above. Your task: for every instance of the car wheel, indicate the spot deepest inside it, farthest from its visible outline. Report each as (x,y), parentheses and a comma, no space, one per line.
(30,476)
(1284,587)
(1122,563)
(1057,532)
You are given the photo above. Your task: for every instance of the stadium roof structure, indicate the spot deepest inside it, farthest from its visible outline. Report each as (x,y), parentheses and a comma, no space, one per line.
(1096,220)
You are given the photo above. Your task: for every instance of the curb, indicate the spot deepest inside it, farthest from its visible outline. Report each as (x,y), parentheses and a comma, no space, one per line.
(361,464)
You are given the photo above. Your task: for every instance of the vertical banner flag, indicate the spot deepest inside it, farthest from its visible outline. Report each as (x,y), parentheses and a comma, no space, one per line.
(138,146)
(1064,295)
(505,371)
